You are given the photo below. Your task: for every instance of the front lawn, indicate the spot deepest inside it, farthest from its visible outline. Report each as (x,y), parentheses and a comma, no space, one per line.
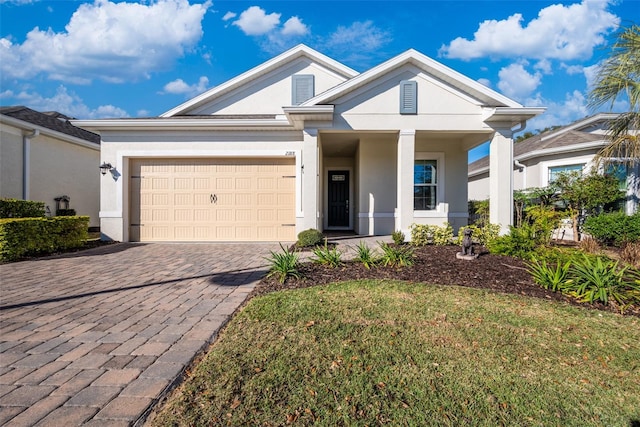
(375,352)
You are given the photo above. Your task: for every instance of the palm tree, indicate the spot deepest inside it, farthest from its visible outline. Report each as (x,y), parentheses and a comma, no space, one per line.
(619,77)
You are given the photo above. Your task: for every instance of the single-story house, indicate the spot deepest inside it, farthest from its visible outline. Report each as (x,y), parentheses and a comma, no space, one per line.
(43,157)
(538,159)
(303,141)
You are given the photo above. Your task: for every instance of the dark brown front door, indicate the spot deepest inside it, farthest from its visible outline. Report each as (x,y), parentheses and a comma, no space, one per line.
(338,194)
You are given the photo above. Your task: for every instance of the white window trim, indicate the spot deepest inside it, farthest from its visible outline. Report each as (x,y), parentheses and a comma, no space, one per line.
(567,161)
(441,206)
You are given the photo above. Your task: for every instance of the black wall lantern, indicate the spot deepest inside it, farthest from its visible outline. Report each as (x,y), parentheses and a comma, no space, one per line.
(105,167)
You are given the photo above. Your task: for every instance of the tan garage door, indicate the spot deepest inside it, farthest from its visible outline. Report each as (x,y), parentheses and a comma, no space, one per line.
(213,200)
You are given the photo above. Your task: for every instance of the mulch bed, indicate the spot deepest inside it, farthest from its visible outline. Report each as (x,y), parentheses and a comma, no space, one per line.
(437,265)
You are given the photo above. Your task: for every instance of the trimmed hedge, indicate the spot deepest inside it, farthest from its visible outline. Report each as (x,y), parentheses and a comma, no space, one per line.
(14,208)
(21,237)
(614,228)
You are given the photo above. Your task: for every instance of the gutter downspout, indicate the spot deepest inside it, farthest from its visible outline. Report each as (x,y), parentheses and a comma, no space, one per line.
(26,162)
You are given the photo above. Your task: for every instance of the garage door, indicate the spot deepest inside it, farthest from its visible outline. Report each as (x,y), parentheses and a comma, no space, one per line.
(212,200)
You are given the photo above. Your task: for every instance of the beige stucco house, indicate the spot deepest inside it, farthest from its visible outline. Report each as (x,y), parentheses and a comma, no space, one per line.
(537,160)
(303,141)
(43,157)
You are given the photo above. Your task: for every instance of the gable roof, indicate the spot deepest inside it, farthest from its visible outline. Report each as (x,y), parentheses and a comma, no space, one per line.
(279,61)
(469,86)
(564,139)
(51,120)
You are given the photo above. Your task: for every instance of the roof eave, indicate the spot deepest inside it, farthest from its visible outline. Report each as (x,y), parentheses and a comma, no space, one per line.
(512,115)
(50,132)
(173,124)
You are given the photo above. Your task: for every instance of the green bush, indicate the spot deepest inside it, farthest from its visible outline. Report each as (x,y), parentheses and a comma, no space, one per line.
(308,238)
(14,208)
(283,264)
(600,279)
(326,255)
(614,228)
(398,237)
(66,212)
(20,237)
(365,255)
(423,234)
(481,235)
(521,242)
(396,256)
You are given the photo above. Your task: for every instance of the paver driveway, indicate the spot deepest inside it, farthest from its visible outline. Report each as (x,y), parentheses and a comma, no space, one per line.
(96,337)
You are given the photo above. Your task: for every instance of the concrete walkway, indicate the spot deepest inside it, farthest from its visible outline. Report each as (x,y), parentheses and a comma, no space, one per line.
(96,337)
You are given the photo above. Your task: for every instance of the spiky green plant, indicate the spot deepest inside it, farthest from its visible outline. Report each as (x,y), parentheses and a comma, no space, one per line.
(326,255)
(283,264)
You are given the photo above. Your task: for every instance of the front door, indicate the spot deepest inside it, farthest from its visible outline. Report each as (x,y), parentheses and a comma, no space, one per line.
(338,195)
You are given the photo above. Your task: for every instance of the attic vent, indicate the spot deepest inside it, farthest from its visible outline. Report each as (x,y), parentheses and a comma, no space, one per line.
(408,97)
(302,88)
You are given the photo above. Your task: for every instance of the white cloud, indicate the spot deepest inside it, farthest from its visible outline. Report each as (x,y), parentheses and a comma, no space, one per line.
(543,65)
(573,69)
(255,22)
(559,32)
(294,27)
(179,87)
(64,102)
(572,108)
(485,82)
(516,82)
(229,15)
(106,41)
(363,36)
(18,2)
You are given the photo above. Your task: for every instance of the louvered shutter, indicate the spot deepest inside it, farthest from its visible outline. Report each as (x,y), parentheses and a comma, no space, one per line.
(302,88)
(408,97)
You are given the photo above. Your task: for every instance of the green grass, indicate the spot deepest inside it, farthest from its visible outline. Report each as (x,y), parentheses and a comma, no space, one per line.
(384,352)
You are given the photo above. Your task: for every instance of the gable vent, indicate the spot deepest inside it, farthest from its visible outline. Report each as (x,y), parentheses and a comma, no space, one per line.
(302,88)
(408,97)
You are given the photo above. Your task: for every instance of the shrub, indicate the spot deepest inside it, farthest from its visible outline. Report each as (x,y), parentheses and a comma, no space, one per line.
(20,237)
(398,237)
(521,242)
(599,279)
(66,212)
(396,256)
(589,245)
(630,254)
(549,276)
(14,208)
(481,235)
(328,256)
(309,238)
(283,264)
(614,228)
(365,255)
(423,234)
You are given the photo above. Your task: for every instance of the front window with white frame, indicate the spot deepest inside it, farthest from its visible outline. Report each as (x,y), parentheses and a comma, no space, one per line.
(555,171)
(425,184)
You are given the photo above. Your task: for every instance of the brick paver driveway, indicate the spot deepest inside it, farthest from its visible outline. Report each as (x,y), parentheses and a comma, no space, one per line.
(97,337)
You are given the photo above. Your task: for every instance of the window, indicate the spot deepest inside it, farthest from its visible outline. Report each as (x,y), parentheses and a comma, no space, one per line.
(425,185)
(557,170)
(619,171)
(302,88)
(408,97)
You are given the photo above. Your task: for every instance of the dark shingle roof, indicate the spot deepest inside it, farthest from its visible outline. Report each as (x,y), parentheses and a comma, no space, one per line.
(50,120)
(539,142)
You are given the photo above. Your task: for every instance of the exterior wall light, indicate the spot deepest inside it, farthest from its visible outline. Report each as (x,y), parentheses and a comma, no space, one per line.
(105,167)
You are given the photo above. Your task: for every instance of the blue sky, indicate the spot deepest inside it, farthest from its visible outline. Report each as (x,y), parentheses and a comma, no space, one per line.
(131,59)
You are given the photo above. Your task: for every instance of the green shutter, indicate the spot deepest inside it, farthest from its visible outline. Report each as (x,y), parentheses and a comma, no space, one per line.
(302,88)
(408,97)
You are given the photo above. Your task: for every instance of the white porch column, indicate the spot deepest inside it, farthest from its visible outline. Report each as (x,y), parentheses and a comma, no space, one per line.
(406,156)
(310,181)
(501,179)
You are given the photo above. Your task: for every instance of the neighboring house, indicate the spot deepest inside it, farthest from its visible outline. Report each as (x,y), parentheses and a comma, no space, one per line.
(537,160)
(43,157)
(302,141)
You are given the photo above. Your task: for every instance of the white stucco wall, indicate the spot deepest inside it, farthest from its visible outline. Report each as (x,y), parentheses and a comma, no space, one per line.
(56,168)
(10,162)
(270,92)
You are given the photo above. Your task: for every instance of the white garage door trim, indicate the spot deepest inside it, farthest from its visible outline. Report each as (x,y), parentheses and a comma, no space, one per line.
(212,199)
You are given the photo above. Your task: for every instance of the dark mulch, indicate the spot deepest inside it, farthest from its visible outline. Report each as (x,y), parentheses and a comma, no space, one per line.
(437,265)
